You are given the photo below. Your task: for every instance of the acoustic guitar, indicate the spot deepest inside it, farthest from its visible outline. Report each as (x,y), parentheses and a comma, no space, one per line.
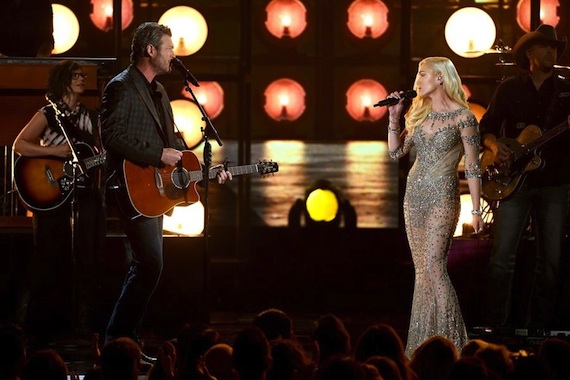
(46,183)
(501,180)
(155,191)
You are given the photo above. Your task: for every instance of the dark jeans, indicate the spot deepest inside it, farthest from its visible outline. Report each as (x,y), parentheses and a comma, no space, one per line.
(145,239)
(547,208)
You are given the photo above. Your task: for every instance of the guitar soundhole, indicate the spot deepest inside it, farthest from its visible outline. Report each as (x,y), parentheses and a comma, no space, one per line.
(180,178)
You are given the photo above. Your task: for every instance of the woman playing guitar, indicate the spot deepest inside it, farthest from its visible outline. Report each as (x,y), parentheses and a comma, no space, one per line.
(57,262)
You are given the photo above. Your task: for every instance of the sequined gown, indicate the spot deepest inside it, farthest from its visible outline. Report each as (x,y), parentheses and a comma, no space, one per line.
(431,212)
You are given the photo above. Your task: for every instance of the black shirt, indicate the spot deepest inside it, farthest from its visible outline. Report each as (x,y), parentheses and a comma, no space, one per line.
(518,104)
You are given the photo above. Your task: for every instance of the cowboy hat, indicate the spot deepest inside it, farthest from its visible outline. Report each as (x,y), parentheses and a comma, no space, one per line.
(544,33)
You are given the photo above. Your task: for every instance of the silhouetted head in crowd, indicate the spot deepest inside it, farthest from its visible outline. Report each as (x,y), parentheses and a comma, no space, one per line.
(275,324)
(386,367)
(340,367)
(12,351)
(529,368)
(251,356)
(382,340)
(218,361)
(120,359)
(289,361)
(371,372)
(472,347)
(331,337)
(555,354)
(94,373)
(193,340)
(46,365)
(468,368)
(434,358)
(497,359)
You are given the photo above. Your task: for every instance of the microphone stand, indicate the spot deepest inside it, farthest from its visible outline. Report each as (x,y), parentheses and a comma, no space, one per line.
(78,169)
(207,131)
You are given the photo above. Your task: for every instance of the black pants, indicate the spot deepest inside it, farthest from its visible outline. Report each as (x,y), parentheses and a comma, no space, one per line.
(63,279)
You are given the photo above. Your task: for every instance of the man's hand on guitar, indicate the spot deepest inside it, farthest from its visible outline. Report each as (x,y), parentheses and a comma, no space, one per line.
(222,175)
(501,152)
(170,156)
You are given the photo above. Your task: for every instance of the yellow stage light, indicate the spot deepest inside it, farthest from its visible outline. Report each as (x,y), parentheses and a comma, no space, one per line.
(322,205)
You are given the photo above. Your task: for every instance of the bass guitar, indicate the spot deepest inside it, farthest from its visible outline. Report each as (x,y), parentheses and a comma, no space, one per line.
(501,180)
(46,183)
(155,191)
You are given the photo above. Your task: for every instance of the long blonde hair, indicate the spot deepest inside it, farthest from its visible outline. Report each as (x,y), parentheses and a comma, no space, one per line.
(421,106)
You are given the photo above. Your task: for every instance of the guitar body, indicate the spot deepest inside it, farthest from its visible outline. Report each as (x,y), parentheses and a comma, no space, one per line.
(46,183)
(154,191)
(499,181)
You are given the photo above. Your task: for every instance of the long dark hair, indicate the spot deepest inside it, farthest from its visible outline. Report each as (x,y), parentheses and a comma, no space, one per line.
(59,78)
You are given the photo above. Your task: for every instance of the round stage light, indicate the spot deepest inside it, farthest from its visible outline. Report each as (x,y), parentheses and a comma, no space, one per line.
(65,28)
(322,205)
(286,18)
(189,29)
(470,32)
(188,119)
(368,18)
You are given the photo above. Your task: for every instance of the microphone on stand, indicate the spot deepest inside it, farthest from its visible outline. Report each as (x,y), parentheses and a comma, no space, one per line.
(409,94)
(177,64)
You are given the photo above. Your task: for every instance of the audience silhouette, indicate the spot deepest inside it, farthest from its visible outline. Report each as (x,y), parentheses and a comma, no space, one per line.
(330,337)
(252,354)
(497,359)
(289,361)
(468,368)
(192,342)
(275,324)
(218,361)
(383,340)
(555,355)
(120,359)
(386,367)
(199,352)
(341,367)
(12,352)
(528,368)
(46,364)
(434,358)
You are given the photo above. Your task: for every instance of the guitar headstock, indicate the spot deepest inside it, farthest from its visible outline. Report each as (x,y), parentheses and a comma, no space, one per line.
(265,167)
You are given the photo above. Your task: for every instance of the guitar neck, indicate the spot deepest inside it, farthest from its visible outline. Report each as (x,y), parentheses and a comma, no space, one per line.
(197,175)
(240,170)
(547,136)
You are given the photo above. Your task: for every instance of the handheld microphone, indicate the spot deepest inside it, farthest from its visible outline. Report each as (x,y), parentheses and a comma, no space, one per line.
(177,64)
(409,94)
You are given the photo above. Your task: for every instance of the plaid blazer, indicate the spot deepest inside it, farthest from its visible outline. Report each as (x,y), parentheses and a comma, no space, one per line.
(130,126)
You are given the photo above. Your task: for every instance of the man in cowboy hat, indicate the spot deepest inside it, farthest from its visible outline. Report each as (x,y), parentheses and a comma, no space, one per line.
(536,96)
